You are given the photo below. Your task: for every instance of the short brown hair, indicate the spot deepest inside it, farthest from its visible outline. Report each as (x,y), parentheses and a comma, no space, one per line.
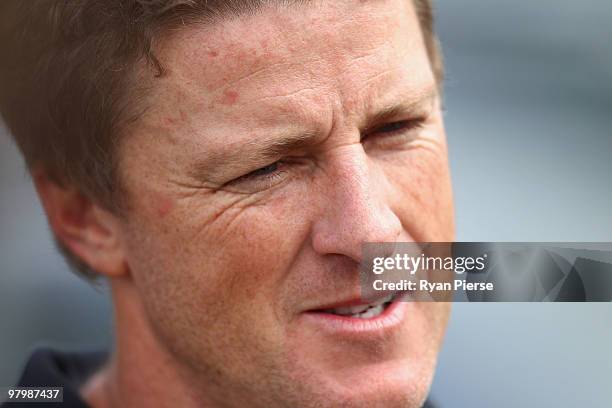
(69,69)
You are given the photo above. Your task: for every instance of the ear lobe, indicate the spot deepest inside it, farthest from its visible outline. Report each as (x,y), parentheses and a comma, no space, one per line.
(90,232)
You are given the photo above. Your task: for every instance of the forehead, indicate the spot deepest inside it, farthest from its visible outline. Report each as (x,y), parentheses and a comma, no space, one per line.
(291,66)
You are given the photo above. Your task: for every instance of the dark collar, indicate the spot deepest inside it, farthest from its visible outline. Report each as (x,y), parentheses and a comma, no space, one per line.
(48,368)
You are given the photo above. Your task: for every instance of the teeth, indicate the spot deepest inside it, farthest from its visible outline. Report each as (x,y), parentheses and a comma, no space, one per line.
(351,310)
(364,311)
(371,312)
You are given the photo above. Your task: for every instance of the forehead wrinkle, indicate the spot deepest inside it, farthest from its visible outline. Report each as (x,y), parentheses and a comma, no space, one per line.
(381,102)
(258,74)
(403,55)
(257,151)
(327,105)
(281,51)
(285,44)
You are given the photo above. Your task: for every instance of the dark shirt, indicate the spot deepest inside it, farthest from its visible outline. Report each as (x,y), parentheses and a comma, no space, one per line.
(47,368)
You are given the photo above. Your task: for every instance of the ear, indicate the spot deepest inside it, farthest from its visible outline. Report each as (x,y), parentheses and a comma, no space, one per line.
(90,232)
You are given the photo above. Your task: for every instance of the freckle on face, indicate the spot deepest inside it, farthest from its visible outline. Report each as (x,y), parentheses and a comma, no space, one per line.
(164,206)
(230,97)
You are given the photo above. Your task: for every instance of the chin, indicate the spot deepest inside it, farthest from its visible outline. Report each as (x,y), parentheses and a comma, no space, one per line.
(388,387)
(398,383)
(385,360)
(392,384)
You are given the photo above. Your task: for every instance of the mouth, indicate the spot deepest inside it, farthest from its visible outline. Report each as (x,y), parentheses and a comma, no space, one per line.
(361,311)
(354,316)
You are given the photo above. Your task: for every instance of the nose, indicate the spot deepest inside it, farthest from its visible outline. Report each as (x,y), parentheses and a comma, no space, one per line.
(355,209)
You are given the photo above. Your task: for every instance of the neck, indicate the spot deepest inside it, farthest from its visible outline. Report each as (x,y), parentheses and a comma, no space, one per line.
(141,371)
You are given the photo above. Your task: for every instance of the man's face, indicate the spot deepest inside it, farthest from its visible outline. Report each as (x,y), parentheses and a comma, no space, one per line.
(274,147)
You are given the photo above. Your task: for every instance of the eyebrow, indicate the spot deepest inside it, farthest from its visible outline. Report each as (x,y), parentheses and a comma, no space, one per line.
(288,143)
(393,111)
(255,152)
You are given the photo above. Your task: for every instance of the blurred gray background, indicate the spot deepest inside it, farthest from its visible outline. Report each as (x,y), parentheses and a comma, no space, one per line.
(529,118)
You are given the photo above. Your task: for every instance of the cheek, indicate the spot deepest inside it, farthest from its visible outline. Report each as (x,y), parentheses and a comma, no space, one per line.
(240,254)
(164,206)
(422,194)
(212,284)
(254,242)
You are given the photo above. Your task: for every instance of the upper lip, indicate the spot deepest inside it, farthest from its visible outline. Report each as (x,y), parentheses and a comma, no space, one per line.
(355,301)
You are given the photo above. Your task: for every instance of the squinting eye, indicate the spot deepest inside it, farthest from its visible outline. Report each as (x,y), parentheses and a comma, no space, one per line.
(394,135)
(269,169)
(400,126)
(260,179)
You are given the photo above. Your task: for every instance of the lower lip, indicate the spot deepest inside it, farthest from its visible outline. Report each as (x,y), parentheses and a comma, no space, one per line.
(388,320)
